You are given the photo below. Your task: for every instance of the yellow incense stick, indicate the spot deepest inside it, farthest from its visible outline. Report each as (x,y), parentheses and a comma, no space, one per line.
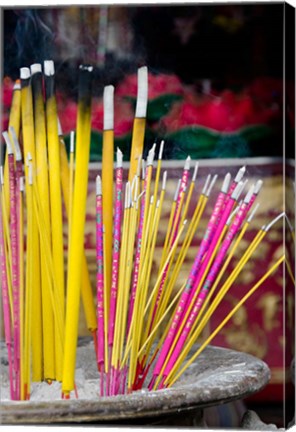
(71,181)
(29,151)
(43,187)
(49,268)
(77,227)
(107,181)
(86,288)
(139,122)
(55,198)
(14,121)
(229,316)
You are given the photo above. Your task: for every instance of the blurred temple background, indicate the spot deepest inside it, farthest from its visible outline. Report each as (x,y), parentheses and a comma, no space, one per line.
(216,71)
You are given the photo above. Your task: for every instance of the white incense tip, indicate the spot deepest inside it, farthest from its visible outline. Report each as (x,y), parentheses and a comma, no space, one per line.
(72,141)
(187,164)
(60,130)
(17,86)
(35,68)
(236,193)
(127,195)
(8,143)
(253,213)
(240,174)
(161,150)
(17,148)
(267,228)
(136,188)
(151,199)
(108,99)
(119,158)
(151,155)
(242,188)
(164,179)
(143,169)
(22,184)
(1,175)
(258,186)
(157,203)
(98,185)
(211,185)
(249,194)
(226,183)
(48,67)
(206,184)
(177,190)
(29,158)
(195,172)
(25,73)
(30,173)
(139,165)
(142,95)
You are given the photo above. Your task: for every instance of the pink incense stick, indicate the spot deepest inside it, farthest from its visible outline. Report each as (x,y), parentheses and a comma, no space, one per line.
(19,173)
(5,304)
(100,274)
(115,258)
(116,246)
(257,188)
(240,216)
(14,258)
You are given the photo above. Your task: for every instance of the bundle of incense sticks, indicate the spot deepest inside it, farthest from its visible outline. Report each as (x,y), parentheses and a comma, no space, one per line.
(41,308)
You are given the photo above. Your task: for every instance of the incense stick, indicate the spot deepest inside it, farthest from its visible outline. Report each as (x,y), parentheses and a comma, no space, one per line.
(86,288)
(77,227)
(107,179)
(139,121)
(55,197)
(28,135)
(43,187)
